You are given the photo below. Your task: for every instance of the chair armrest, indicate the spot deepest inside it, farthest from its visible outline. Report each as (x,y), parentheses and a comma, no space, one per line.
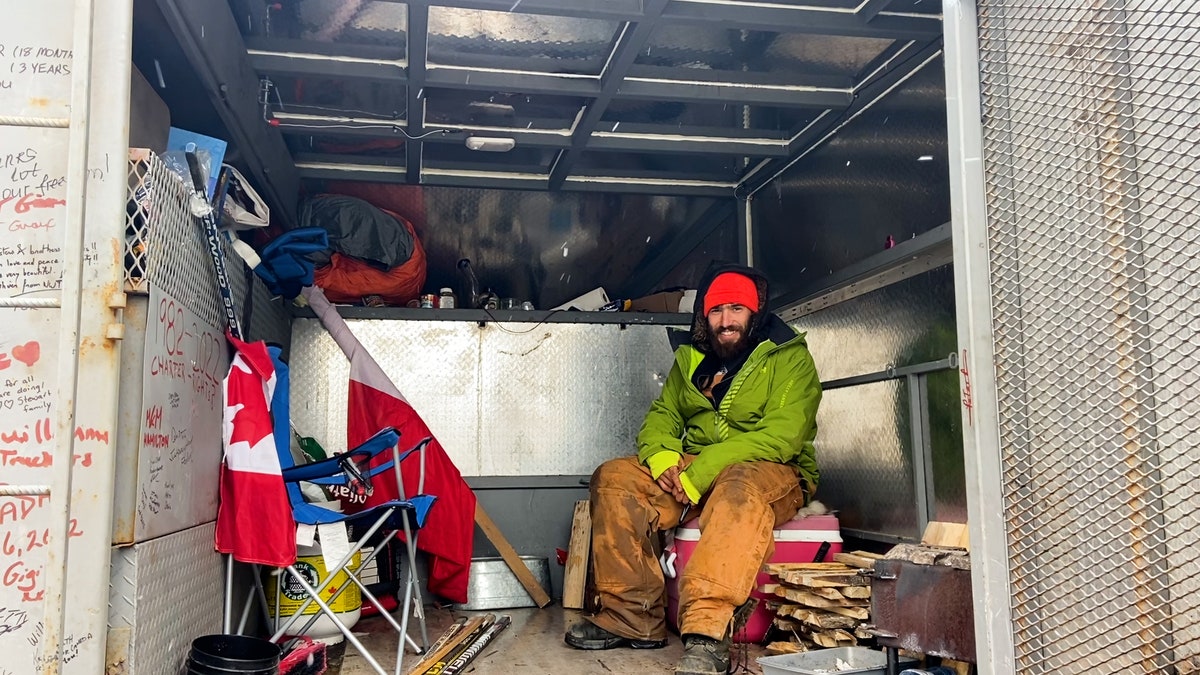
(419,447)
(384,439)
(387,466)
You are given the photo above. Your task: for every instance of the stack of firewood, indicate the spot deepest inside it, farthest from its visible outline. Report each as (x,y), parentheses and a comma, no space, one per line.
(821,605)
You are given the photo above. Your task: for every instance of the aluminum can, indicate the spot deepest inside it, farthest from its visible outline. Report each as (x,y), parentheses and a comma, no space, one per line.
(429,301)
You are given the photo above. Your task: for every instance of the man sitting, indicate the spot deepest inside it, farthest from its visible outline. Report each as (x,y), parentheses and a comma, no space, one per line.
(729,438)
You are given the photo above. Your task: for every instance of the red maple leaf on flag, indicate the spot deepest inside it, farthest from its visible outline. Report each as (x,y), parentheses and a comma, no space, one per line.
(251,422)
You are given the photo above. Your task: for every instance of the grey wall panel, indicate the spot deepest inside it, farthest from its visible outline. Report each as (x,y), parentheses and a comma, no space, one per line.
(898,325)
(866,458)
(841,202)
(720,245)
(946,448)
(503,399)
(864,445)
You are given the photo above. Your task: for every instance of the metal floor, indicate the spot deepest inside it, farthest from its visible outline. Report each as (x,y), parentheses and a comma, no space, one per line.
(532,645)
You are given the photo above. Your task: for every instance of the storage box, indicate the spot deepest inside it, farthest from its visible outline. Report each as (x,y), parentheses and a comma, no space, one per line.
(149,117)
(588,302)
(861,661)
(796,541)
(667,301)
(494,586)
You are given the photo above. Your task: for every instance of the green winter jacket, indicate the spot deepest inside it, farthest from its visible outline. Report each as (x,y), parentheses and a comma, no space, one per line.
(768,413)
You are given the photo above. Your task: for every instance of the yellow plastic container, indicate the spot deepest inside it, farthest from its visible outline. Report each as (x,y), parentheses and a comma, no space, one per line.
(285,590)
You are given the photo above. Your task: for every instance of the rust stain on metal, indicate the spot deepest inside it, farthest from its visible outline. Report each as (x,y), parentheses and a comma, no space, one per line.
(924,608)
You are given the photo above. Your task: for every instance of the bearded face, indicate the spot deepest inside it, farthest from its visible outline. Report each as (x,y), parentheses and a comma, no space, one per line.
(728,326)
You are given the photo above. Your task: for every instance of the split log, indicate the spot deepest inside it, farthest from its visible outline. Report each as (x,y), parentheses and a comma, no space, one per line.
(776,648)
(857,592)
(855,560)
(805,597)
(816,618)
(825,579)
(779,568)
(834,638)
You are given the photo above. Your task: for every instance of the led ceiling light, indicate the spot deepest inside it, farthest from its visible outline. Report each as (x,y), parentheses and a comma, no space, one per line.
(490,144)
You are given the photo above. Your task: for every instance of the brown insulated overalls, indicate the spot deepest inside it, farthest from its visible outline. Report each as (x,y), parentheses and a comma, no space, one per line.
(746,502)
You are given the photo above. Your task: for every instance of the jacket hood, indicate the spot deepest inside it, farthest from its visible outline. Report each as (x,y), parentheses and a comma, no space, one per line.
(763,324)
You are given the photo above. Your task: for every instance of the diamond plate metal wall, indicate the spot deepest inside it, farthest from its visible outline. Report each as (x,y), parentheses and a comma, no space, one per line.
(164,245)
(163,594)
(1090,129)
(512,399)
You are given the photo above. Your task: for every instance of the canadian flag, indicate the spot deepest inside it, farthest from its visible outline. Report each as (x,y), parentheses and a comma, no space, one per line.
(374,402)
(254,521)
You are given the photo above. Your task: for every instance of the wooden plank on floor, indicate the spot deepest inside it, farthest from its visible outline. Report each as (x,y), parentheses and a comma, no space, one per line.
(514,562)
(575,572)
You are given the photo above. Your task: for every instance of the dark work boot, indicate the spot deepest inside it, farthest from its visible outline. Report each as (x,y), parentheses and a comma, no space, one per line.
(703,655)
(587,635)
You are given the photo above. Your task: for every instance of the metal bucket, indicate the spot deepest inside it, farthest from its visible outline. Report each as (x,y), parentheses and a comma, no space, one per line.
(494,586)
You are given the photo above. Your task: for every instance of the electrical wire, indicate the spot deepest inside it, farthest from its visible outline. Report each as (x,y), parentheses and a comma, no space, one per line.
(385,121)
(382,116)
(394,127)
(532,328)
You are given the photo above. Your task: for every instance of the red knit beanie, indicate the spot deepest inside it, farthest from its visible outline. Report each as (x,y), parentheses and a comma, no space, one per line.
(731,287)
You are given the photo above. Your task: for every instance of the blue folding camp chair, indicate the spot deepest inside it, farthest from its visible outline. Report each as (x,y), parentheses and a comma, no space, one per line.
(350,471)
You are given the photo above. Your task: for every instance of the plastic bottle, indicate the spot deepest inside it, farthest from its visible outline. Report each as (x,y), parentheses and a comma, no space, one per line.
(447,299)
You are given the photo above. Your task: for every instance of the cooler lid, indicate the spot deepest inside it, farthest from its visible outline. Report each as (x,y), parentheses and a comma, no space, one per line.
(787,534)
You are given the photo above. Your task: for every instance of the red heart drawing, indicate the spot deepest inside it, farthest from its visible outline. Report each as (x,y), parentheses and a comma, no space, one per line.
(27,353)
(4,362)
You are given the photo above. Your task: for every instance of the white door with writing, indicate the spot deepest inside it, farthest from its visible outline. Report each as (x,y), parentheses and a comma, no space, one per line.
(64,109)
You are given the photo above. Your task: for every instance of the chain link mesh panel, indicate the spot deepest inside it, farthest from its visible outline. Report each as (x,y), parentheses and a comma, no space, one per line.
(164,245)
(1091,123)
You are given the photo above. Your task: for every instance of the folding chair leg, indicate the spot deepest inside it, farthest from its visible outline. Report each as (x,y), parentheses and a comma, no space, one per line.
(256,593)
(353,578)
(250,601)
(315,597)
(279,632)
(410,544)
(227,619)
(404,609)
(346,584)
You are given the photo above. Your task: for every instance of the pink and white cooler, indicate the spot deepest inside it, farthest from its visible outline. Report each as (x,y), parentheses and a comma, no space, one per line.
(796,541)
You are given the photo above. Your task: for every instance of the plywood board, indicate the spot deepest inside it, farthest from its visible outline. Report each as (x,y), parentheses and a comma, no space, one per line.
(578,552)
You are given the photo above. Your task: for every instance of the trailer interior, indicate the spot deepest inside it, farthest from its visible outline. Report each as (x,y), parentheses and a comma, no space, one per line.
(980,212)
(567,146)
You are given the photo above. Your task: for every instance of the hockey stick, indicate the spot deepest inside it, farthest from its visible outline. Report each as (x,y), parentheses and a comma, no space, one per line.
(433,656)
(465,658)
(208,219)
(440,664)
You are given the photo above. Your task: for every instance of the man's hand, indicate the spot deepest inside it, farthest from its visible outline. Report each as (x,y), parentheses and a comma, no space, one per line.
(669,481)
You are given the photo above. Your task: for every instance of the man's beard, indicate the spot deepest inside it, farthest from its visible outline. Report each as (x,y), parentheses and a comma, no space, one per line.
(728,350)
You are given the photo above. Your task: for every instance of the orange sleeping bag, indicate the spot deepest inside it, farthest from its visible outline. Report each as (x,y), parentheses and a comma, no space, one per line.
(347,279)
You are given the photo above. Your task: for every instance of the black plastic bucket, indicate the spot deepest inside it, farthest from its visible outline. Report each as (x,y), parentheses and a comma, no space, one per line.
(226,654)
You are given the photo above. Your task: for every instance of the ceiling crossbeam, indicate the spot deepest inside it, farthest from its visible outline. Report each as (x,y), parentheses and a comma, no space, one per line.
(914,57)
(772,17)
(418,43)
(630,41)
